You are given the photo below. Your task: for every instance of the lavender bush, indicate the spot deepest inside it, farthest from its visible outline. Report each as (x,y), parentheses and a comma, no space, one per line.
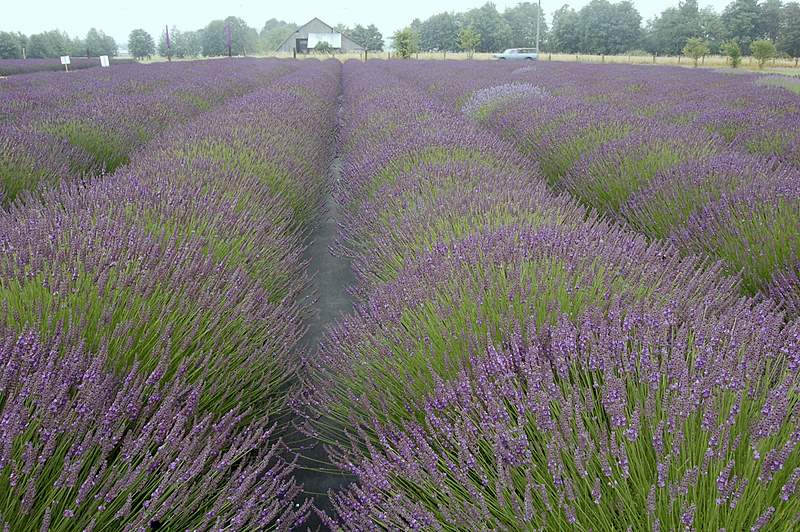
(620,421)
(606,178)
(442,203)
(482,101)
(110,116)
(12,67)
(753,229)
(676,192)
(599,139)
(448,303)
(83,448)
(514,366)
(160,309)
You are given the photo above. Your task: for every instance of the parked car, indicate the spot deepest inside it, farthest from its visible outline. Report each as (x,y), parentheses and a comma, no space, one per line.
(519,53)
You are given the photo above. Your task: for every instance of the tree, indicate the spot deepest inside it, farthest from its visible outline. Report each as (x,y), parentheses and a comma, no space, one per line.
(374,39)
(439,33)
(741,20)
(668,32)
(323,47)
(167,41)
(10,47)
(77,47)
(564,35)
(789,41)
(141,44)
(695,48)
(214,38)
(98,43)
(468,40)
(733,51)
(188,44)
(274,33)
(770,19)
(49,44)
(370,38)
(606,28)
(763,50)
(405,42)
(522,21)
(711,28)
(495,32)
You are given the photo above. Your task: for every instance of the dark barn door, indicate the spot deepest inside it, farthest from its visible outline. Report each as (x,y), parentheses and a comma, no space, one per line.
(301,45)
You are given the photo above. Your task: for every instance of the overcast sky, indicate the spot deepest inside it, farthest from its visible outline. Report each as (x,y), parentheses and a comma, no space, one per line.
(118,18)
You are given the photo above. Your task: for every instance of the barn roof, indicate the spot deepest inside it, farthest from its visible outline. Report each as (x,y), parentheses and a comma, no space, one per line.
(300,29)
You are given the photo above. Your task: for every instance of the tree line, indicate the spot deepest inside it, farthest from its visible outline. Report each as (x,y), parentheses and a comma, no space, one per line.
(55,43)
(220,37)
(603,27)
(600,27)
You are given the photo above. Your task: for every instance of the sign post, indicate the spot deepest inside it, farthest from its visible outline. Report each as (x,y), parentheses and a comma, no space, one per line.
(65,62)
(104,61)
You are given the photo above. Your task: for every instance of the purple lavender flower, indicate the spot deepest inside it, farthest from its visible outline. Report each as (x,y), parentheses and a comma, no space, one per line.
(82,445)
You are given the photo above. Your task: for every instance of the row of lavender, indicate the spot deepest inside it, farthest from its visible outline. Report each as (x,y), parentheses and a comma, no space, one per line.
(708,161)
(149,322)
(516,363)
(55,128)
(11,67)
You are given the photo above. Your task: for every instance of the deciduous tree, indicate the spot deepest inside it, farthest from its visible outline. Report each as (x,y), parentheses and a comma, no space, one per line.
(494,30)
(274,33)
(468,40)
(405,42)
(141,44)
(439,33)
(695,48)
(522,21)
(789,40)
(733,51)
(10,46)
(741,21)
(763,50)
(564,36)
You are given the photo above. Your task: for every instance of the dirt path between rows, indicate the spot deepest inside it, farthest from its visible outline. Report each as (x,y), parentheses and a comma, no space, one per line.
(331,278)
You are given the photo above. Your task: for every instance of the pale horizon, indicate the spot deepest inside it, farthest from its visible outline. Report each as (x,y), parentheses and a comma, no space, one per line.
(118,19)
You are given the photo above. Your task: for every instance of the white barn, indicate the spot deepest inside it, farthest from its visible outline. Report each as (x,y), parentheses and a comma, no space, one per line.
(315,31)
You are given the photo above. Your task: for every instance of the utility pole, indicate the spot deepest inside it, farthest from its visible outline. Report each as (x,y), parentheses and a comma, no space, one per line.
(538,19)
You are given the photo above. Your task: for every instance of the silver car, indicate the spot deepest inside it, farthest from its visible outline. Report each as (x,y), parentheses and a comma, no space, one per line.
(518,53)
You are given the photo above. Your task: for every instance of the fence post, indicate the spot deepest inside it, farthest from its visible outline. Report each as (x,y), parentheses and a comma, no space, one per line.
(654,59)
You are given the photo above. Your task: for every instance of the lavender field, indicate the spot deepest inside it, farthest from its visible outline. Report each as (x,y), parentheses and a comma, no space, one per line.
(575,297)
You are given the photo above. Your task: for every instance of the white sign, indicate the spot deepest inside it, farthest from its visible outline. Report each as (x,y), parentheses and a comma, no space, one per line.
(64,59)
(103,60)
(333,39)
